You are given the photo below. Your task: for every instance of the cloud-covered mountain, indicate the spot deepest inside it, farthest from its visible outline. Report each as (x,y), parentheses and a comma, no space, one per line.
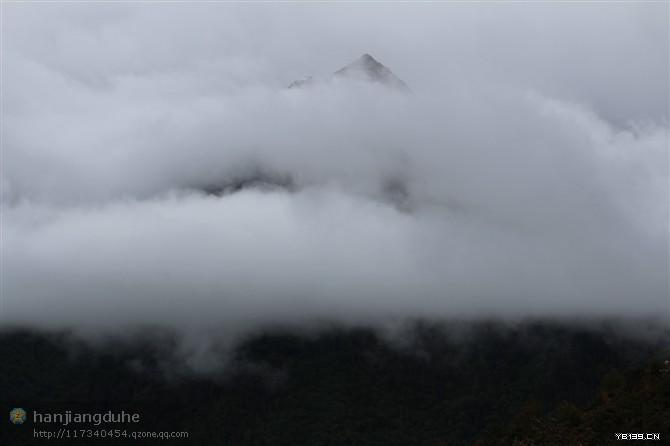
(164,175)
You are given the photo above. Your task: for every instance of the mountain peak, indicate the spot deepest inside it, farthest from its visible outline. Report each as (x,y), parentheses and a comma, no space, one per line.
(365,68)
(366,63)
(368,68)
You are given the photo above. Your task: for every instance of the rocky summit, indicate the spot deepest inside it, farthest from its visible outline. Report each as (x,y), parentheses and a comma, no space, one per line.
(365,68)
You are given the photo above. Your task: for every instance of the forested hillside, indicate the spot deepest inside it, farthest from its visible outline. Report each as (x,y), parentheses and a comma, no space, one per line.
(442,384)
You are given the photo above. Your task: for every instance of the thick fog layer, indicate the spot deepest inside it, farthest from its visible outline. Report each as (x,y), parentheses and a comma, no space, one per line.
(526,174)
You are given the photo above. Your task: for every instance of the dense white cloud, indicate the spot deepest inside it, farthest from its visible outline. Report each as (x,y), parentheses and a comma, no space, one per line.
(526,175)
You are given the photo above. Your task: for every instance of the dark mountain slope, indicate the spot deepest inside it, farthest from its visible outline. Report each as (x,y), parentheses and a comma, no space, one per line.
(444,384)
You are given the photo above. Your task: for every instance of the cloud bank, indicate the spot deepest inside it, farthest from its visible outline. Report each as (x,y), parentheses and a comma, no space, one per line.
(525,176)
